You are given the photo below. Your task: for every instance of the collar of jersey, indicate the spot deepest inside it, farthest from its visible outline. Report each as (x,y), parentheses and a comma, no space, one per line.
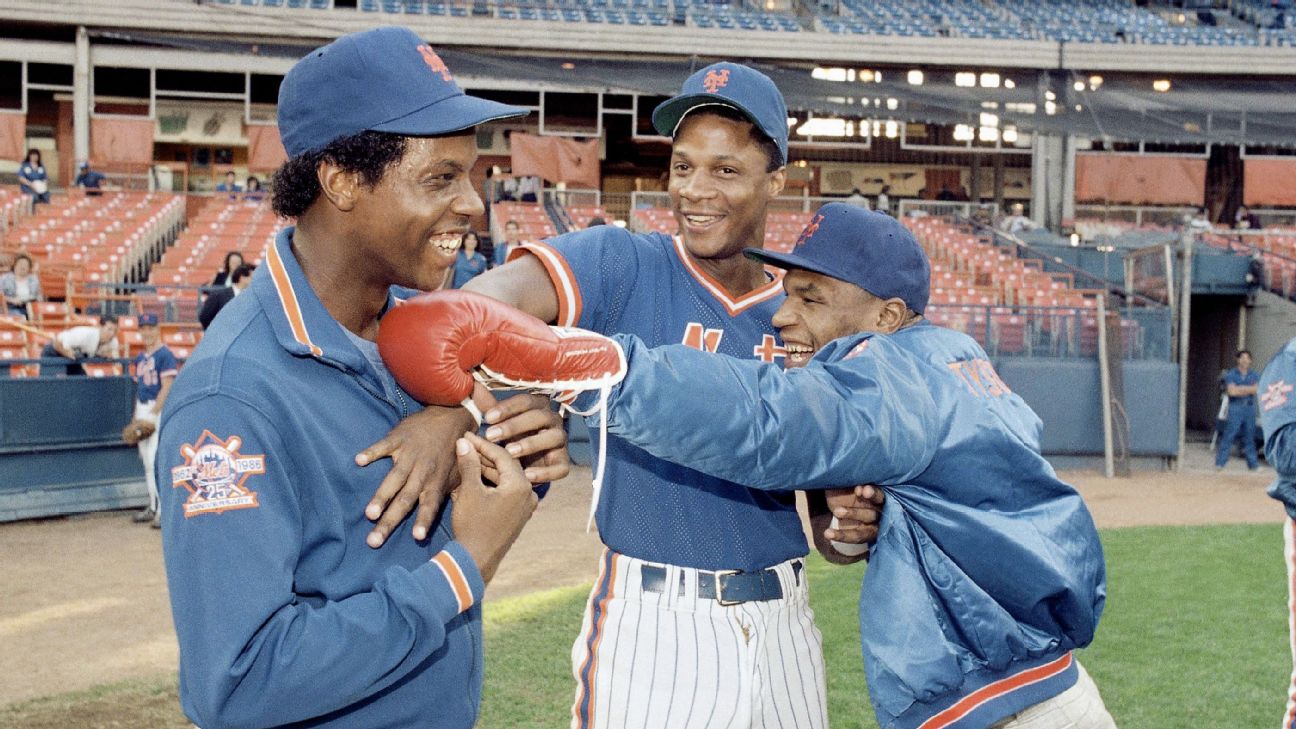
(731,305)
(301,323)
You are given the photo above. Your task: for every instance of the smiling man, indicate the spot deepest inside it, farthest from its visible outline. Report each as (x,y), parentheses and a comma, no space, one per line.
(284,612)
(699,610)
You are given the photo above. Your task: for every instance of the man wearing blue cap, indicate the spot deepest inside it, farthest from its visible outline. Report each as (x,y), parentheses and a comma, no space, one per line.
(154,371)
(699,610)
(987,574)
(285,610)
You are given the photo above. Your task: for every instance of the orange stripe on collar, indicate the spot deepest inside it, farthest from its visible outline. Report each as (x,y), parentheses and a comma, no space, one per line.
(288,298)
(731,305)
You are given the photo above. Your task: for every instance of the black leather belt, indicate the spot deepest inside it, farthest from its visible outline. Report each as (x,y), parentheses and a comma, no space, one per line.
(726,588)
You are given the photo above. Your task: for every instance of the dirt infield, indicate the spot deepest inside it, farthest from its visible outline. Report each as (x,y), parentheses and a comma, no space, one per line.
(85,598)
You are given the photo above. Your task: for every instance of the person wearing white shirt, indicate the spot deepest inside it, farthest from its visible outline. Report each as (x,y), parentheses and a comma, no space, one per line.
(79,343)
(20,286)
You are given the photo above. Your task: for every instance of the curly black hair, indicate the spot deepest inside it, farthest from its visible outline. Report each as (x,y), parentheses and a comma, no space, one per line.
(368,154)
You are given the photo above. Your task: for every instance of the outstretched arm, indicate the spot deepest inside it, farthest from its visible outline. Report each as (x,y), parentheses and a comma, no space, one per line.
(863,419)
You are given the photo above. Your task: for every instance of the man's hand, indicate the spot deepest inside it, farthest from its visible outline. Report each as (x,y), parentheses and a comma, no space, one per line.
(420,450)
(488,520)
(532,433)
(422,453)
(856,510)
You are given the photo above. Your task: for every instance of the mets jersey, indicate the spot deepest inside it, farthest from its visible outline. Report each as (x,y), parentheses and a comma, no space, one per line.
(150,368)
(1277,411)
(610,280)
(987,570)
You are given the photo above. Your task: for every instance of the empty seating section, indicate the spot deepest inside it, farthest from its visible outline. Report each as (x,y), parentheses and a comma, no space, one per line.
(533,222)
(581,215)
(1008,304)
(216,230)
(94,239)
(1244,23)
(1277,251)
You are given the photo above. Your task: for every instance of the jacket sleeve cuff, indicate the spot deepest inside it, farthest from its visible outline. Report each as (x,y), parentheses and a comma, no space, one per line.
(455,567)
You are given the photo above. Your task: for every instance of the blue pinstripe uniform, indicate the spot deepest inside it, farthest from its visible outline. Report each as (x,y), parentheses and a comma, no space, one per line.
(670,528)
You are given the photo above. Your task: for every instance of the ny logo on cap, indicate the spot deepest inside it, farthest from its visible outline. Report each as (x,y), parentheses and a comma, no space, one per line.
(716,80)
(434,62)
(810,229)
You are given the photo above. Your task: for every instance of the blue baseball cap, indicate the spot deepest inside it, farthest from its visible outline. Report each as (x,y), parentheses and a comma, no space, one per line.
(380,80)
(148,320)
(734,85)
(869,249)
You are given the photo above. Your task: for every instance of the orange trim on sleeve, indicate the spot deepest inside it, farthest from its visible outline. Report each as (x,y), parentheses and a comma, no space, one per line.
(288,298)
(570,304)
(455,576)
(974,700)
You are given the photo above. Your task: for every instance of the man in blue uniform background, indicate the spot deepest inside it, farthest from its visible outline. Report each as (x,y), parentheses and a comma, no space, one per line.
(1240,388)
(155,372)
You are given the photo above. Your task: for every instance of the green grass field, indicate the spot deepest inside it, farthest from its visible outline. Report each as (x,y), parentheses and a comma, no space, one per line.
(1194,636)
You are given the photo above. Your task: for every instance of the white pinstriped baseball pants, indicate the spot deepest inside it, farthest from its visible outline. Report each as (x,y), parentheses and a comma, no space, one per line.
(649,660)
(148,450)
(1289,557)
(1079,707)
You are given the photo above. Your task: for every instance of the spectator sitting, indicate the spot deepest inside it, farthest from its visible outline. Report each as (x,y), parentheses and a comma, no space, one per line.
(89,180)
(233,260)
(1246,220)
(217,299)
(1198,220)
(1017,222)
(20,286)
(79,343)
(596,220)
(230,186)
(468,262)
(32,178)
(253,192)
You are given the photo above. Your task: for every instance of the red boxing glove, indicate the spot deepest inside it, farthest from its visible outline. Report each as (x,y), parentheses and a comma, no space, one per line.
(435,344)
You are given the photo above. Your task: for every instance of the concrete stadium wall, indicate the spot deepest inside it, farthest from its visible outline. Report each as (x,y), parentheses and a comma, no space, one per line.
(1065,393)
(1270,324)
(61,450)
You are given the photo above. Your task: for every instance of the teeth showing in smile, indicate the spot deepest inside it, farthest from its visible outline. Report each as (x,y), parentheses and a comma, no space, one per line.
(798,352)
(701,219)
(446,243)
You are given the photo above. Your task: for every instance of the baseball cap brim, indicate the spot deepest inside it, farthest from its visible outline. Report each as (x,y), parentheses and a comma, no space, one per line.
(789,261)
(452,114)
(666,118)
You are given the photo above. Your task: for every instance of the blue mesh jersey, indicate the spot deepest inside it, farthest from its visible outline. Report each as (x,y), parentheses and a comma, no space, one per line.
(150,368)
(611,281)
(1277,411)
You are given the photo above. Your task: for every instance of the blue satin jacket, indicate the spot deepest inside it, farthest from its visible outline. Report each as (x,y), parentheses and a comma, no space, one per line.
(987,572)
(1277,411)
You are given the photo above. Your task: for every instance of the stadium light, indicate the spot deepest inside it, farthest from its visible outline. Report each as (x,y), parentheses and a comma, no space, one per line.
(1010,135)
(568,66)
(962,133)
(893,104)
(965,79)
(1020,107)
(988,134)
(829,74)
(989,120)
(1161,84)
(1050,108)
(1009,84)
(892,130)
(1095,81)
(824,127)
(915,77)
(1078,86)
(1050,95)
(989,80)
